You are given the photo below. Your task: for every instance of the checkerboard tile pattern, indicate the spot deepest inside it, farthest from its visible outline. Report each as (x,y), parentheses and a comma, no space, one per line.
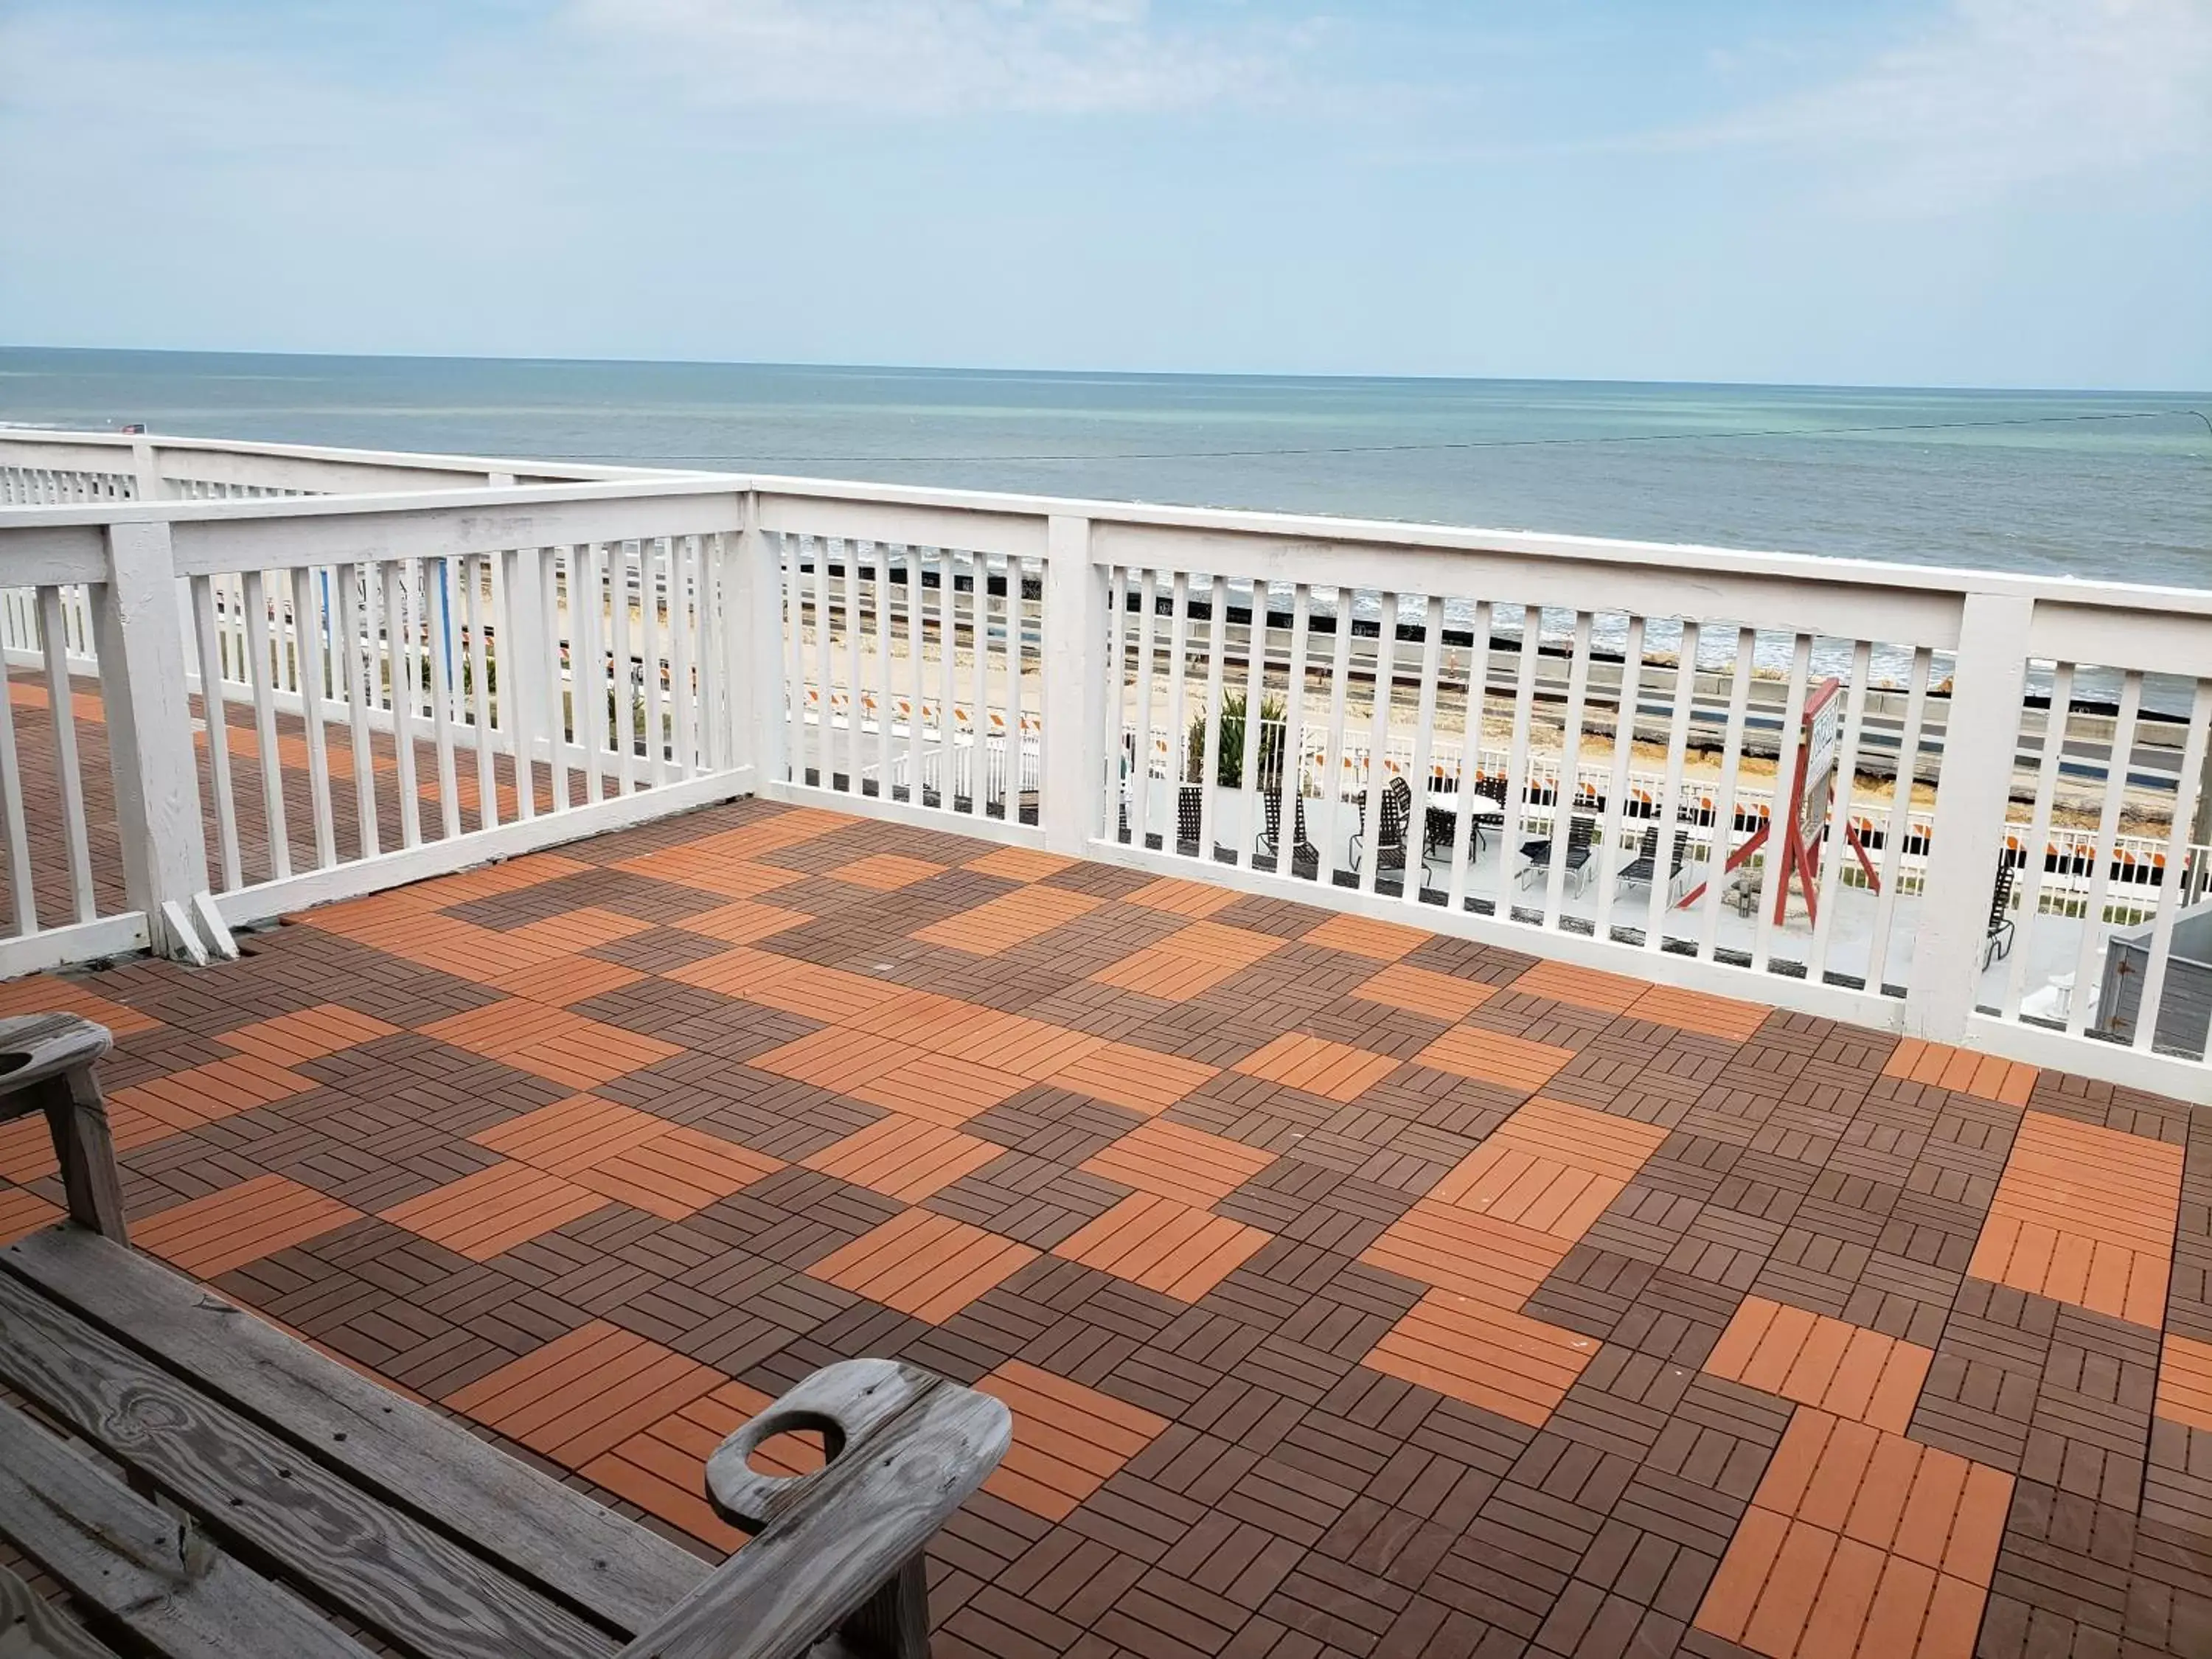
(1356,1291)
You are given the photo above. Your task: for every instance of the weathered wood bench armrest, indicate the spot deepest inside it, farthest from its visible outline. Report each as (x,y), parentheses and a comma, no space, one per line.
(838,1551)
(46,1063)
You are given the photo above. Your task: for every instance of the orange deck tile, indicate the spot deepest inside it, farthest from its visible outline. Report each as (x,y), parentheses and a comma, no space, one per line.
(677,1173)
(1584,987)
(1962,1071)
(1335,1071)
(1163,1245)
(711,869)
(1468,1253)
(310,1034)
(1424,991)
(1137,1078)
(1701,1012)
(886,872)
(1494,1057)
(494,1210)
(1502,1361)
(24,1213)
(2185,1381)
(202,1094)
(571,1135)
(741,921)
(44,994)
(561,980)
(208,1236)
(1004,923)
(1068,1440)
(1030,1048)
(574,931)
(582,1395)
(2085,1215)
(1195,899)
(1022,864)
(904,1157)
(835,1057)
(551,1041)
(939,1088)
(1188,962)
(1186,1164)
(1845,1369)
(1365,936)
(924,1264)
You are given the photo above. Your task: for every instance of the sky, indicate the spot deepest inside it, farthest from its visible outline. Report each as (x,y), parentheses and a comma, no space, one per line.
(1926,192)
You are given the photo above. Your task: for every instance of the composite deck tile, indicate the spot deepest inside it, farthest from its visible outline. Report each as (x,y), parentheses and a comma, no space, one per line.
(22,1213)
(904,1157)
(1175,1162)
(741,921)
(309,1034)
(1140,1079)
(885,872)
(1195,899)
(1022,864)
(1495,1057)
(1068,1440)
(939,1089)
(1163,1245)
(2185,1381)
(208,1237)
(1859,1541)
(1188,962)
(1006,921)
(1485,1355)
(564,980)
(1367,1429)
(2085,1215)
(1468,1253)
(1425,991)
(1845,1369)
(1986,1077)
(1335,1071)
(1366,936)
(551,1043)
(582,1395)
(482,1215)
(924,1264)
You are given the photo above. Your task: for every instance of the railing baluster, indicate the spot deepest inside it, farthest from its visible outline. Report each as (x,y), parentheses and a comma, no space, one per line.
(307,627)
(1290,769)
(1216,627)
(478,620)
(1116,701)
(207,636)
(21,890)
(1661,899)
(1378,737)
(262,676)
(1616,789)
(1774,874)
(886,700)
(69,779)
(653,642)
(1567,793)
(684,616)
(398,634)
(2150,1005)
(1178,765)
(1332,773)
(440,619)
(1900,816)
(1516,762)
(1147,651)
(2108,824)
(1416,830)
(917,629)
(1256,699)
(1723,841)
(1470,758)
(1835,845)
(854,761)
(359,658)
(979,721)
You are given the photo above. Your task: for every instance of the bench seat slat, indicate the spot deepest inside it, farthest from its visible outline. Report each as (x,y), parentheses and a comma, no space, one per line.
(160,1578)
(29,1629)
(577,1550)
(396,1577)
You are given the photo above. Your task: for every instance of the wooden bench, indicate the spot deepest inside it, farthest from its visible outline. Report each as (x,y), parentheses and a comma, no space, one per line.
(272,1501)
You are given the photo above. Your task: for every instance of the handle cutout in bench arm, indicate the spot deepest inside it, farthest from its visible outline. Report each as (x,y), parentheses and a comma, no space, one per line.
(838,1549)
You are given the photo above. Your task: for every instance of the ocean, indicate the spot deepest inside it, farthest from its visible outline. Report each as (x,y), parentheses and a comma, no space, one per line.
(2094,484)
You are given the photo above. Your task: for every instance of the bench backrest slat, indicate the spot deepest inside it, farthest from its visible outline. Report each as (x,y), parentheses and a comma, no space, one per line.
(577,1550)
(395,1575)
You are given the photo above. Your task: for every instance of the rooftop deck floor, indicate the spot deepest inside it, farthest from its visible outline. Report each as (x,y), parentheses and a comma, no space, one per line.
(1356,1290)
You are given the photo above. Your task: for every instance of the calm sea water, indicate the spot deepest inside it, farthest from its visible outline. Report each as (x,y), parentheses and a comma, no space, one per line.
(2044,480)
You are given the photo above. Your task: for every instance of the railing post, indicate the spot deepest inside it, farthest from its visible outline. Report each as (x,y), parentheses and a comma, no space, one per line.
(756,708)
(149,735)
(146,470)
(1073,762)
(1979,739)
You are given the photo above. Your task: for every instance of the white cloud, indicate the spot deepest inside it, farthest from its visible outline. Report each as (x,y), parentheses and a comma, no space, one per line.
(2003,95)
(938,56)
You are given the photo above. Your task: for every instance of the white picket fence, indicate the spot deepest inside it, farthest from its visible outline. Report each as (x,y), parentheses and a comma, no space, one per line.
(407,664)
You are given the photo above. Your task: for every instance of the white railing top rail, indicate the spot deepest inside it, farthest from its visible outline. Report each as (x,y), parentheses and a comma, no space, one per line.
(1667,578)
(53,443)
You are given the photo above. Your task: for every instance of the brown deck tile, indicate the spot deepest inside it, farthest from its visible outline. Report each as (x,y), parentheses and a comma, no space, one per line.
(1359,1292)
(1068,1439)
(924,1264)
(903,1158)
(1186,1164)
(1163,1245)
(480,1215)
(228,1229)
(2085,1215)
(1335,1071)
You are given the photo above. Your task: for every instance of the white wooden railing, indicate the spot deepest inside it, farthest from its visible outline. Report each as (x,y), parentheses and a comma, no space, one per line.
(375,682)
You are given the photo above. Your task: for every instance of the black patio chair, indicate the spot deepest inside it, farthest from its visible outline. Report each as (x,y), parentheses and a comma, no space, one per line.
(1997,935)
(1394,823)
(1190,814)
(1305,857)
(1640,870)
(1582,835)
